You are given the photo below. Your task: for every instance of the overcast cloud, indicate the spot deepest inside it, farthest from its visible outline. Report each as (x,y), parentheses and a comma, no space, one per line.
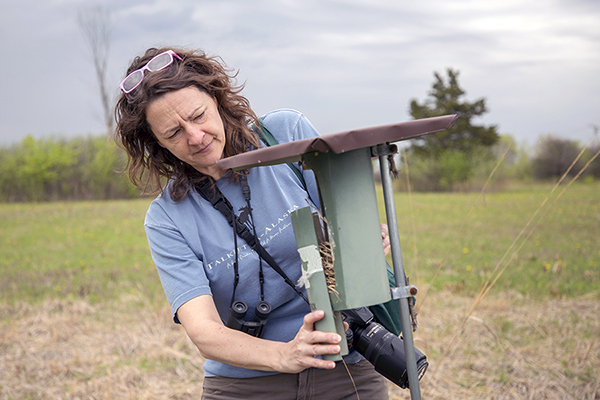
(344,64)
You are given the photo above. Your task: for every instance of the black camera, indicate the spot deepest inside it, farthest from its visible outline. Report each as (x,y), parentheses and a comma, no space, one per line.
(382,348)
(237,313)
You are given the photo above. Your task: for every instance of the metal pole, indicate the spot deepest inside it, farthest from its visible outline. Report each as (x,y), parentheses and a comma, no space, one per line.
(390,208)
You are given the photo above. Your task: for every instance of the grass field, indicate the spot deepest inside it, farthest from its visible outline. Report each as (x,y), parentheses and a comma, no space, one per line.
(82,313)
(557,255)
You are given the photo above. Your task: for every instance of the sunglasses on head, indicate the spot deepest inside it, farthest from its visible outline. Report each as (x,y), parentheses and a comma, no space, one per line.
(161,61)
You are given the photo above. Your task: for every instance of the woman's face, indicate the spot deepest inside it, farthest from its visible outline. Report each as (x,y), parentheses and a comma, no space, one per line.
(187,123)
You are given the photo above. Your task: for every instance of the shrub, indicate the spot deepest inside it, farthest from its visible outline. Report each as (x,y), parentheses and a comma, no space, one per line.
(553,157)
(53,169)
(594,168)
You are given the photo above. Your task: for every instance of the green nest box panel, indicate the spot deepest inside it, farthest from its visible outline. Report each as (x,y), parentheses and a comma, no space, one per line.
(349,201)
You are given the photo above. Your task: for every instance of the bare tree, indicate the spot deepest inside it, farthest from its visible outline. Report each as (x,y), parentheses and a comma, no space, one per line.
(96,26)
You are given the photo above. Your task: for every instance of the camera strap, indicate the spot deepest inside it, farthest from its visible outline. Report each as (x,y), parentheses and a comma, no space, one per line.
(211,193)
(267,137)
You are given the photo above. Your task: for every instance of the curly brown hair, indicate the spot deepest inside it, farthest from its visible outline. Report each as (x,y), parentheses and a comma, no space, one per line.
(149,164)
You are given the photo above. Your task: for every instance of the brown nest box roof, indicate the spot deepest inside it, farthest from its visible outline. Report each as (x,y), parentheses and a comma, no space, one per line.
(338,142)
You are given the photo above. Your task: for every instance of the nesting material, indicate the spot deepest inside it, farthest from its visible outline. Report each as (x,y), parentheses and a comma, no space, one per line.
(326,252)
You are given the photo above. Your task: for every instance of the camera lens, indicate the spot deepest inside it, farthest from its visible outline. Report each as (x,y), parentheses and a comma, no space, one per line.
(386,352)
(239,309)
(263,309)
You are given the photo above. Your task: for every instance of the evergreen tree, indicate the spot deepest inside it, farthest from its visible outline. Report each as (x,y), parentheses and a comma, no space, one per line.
(464,136)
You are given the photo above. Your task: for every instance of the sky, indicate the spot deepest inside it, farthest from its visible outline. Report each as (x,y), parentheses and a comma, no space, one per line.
(344,64)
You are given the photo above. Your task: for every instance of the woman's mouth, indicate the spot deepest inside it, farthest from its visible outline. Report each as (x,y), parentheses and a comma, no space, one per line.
(204,149)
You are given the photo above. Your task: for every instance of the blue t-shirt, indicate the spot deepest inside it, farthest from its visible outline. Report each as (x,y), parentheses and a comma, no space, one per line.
(192,244)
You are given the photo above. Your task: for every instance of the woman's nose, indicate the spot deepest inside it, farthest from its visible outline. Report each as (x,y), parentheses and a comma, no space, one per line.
(195,136)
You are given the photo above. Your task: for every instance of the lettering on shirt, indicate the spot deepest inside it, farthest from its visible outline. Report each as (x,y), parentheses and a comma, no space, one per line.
(268,234)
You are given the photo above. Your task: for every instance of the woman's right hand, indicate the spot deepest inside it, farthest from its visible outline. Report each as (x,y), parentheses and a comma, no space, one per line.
(300,353)
(215,341)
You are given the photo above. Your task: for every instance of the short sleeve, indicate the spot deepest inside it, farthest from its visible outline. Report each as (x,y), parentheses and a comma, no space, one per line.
(180,269)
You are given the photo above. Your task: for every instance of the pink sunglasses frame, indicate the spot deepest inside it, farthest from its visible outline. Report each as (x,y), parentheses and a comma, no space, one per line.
(145,67)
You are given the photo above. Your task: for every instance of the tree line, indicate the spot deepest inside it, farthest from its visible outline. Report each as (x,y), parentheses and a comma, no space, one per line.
(550,158)
(53,169)
(460,158)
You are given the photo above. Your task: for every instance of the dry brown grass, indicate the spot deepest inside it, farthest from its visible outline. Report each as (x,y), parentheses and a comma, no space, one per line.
(508,349)
(71,350)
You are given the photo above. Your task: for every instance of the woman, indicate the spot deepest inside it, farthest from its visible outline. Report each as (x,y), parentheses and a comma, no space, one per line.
(179,113)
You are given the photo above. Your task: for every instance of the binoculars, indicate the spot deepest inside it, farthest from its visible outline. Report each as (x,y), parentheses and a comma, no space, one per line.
(237,313)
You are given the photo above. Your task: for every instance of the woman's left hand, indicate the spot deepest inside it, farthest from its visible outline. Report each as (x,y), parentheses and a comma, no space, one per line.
(385,237)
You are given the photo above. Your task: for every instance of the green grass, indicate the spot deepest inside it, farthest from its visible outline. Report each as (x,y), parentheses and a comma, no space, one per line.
(561,257)
(120,340)
(93,250)
(98,250)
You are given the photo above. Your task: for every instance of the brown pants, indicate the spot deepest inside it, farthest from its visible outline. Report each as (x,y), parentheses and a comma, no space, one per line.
(309,384)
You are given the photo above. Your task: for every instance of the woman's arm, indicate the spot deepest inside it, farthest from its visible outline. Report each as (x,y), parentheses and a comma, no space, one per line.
(215,341)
